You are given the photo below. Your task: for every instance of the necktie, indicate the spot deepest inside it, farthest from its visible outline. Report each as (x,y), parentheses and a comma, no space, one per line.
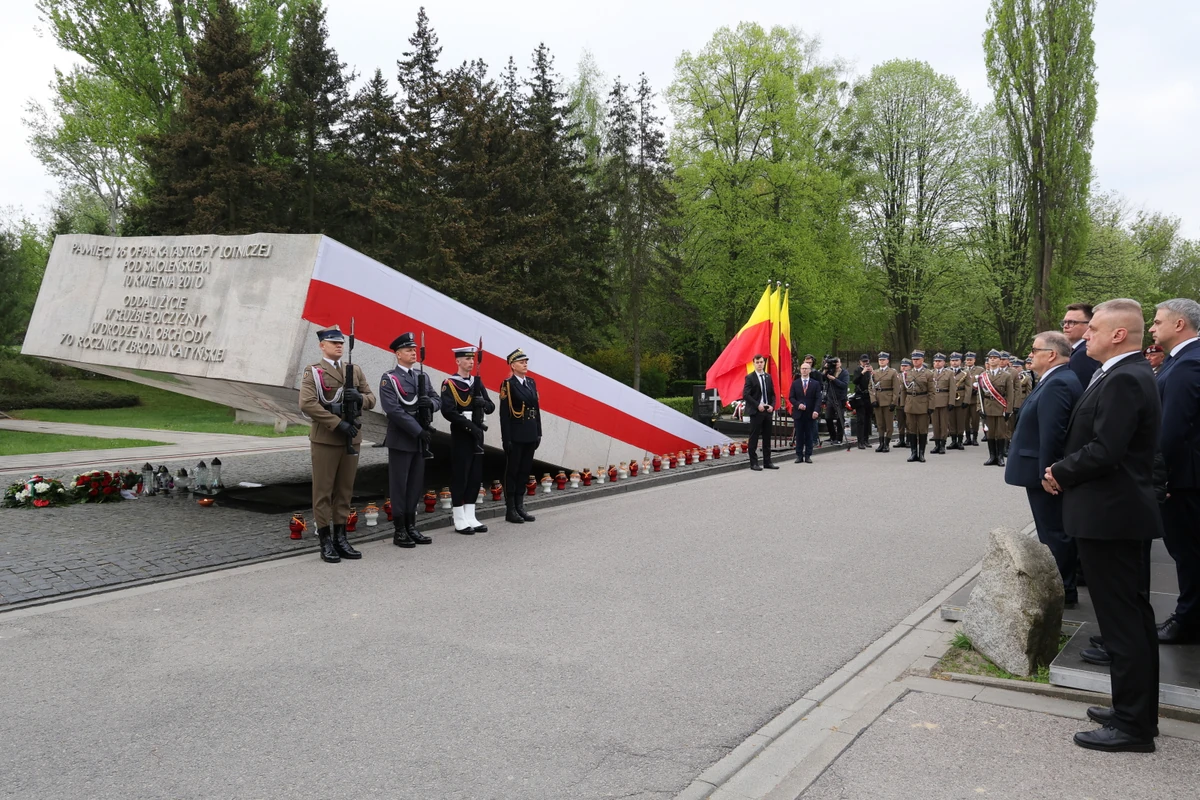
(762,384)
(805,383)
(1095,377)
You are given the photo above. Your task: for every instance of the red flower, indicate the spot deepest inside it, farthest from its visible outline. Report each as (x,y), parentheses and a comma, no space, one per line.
(81,481)
(109,489)
(93,491)
(41,503)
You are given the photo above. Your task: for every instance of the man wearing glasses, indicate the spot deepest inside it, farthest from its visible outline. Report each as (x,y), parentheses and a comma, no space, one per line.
(1074,323)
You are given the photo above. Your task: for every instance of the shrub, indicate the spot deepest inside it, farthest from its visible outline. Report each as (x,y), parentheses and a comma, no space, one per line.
(653,383)
(66,396)
(681,404)
(683,387)
(18,376)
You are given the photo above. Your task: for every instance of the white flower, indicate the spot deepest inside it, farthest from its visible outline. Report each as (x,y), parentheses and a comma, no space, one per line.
(41,487)
(23,495)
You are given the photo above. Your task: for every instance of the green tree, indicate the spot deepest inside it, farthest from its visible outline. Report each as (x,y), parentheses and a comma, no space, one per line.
(1115,263)
(1041,65)
(211,171)
(23,256)
(374,133)
(588,114)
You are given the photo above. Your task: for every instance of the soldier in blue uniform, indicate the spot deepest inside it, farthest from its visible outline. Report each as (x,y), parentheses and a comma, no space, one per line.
(465,402)
(521,432)
(404,394)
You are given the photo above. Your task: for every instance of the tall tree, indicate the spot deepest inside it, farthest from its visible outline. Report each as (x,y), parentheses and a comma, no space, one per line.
(374,133)
(1041,65)
(211,171)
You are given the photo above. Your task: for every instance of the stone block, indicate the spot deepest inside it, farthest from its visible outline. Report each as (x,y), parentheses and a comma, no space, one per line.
(1014,616)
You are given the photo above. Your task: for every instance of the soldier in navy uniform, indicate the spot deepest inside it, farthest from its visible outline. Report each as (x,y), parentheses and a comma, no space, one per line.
(403,394)
(521,432)
(465,402)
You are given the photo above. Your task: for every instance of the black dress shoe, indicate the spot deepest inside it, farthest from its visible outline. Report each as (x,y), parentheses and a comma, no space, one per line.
(1101,714)
(799,460)
(770,466)
(1097,641)
(1096,655)
(512,516)
(400,537)
(756,467)
(1111,740)
(807,459)
(1173,632)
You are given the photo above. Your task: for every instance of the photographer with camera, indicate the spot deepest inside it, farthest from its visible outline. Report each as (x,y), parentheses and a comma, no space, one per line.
(862,401)
(837,382)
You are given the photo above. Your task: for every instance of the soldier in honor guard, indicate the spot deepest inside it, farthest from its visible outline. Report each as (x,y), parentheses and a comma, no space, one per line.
(405,396)
(918,393)
(995,397)
(958,402)
(901,396)
(465,402)
(972,400)
(521,433)
(323,391)
(1022,385)
(885,387)
(943,395)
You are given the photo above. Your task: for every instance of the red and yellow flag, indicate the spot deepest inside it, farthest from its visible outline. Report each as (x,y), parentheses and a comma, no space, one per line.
(728,373)
(785,348)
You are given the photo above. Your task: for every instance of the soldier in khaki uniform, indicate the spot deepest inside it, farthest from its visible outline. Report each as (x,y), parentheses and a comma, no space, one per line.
(943,394)
(884,388)
(958,402)
(918,392)
(995,396)
(901,395)
(972,400)
(323,391)
(1022,385)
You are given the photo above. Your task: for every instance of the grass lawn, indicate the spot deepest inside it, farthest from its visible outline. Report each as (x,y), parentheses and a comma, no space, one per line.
(160,409)
(19,443)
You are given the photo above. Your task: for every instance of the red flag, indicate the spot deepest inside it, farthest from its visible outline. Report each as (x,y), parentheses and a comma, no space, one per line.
(785,349)
(728,373)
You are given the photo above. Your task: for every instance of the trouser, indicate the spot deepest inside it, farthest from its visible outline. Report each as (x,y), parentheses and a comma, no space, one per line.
(517,463)
(997,429)
(806,434)
(883,421)
(406,474)
(834,421)
(1047,516)
(973,419)
(901,423)
(333,472)
(1115,570)
(862,418)
(918,423)
(760,425)
(958,420)
(466,468)
(1182,538)
(941,422)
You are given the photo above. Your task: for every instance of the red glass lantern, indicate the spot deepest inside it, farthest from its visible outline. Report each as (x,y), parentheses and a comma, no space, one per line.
(687,458)
(716,451)
(703,455)
(745,448)
(633,468)
(560,480)
(612,473)
(297,526)
(497,491)
(531,486)
(673,460)
(586,477)
(430,501)
(387,509)
(657,464)
(352,521)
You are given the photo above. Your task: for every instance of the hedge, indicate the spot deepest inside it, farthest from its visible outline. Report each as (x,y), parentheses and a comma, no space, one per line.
(67,397)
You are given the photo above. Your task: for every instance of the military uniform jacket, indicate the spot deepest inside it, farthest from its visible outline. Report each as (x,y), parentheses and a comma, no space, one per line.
(971,388)
(918,390)
(885,387)
(321,387)
(459,396)
(943,388)
(398,394)
(1001,389)
(1022,385)
(520,414)
(962,387)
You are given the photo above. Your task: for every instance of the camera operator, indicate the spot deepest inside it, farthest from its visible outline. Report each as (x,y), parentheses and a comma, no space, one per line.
(862,401)
(836,380)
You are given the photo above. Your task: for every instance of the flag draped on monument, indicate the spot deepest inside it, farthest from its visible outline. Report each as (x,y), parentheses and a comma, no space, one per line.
(728,373)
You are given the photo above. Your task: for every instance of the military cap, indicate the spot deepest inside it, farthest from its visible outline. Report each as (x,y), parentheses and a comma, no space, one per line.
(970,354)
(906,362)
(465,350)
(517,355)
(939,356)
(864,359)
(1028,360)
(956,356)
(993,353)
(403,340)
(886,355)
(1006,354)
(333,334)
(918,353)
(1154,348)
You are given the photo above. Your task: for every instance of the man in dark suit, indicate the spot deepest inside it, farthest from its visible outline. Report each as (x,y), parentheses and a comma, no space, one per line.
(1110,509)
(1038,442)
(1074,323)
(805,399)
(404,393)
(1175,327)
(520,433)
(759,394)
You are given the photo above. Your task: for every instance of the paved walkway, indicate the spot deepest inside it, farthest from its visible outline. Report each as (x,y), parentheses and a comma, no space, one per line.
(183,444)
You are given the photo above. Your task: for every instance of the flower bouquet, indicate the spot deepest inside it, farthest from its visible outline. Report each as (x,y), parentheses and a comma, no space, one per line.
(37,492)
(98,486)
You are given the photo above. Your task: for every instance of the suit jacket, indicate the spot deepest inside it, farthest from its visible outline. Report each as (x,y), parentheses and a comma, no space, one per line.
(520,413)
(811,398)
(753,395)
(1107,472)
(1083,365)
(400,408)
(320,404)
(1041,429)
(1179,442)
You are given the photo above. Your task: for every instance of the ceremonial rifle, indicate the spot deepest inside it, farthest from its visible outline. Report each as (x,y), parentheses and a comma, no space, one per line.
(477,400)
(350,411)
(424,414)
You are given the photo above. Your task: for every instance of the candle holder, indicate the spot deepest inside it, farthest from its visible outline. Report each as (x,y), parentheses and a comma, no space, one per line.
(547,483)
(613,474)
(497,491)
(215,476)
(430,499)
(657,463)
(371,515)
(716,453)
(482,496)
(672,461)
(574,480)
(387,508)
(531,486)
(686,457)
(182,481)
(200,479)
(601,475)
(560,481)
(633,468)
(623,470)
(586,477)
(702,455)
(444,498)
(352,521)
(148,487)
(297,526)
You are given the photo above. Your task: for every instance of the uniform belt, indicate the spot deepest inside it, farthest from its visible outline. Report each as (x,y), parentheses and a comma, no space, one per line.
(917,394)
(942,390)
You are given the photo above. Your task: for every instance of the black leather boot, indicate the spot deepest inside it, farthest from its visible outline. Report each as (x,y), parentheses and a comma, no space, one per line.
(923,439)
(510,509)
(410,527)
(882,446)
(941,447)
(991,443)
(521,508)
(328,551)
(912,447)
(1002,451)
(342,544)
(400,536)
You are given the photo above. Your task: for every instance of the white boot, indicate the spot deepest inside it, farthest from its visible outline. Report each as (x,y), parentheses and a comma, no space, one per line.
(473,521)
(460,520)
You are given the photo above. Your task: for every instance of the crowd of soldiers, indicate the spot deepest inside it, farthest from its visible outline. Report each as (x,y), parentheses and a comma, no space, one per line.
(332,403)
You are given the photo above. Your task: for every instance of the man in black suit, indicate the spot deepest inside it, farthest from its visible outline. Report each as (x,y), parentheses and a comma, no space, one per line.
(1074,323)
(1175,327)
(1110,509)
(1038,442)
(759,394)
(805,399)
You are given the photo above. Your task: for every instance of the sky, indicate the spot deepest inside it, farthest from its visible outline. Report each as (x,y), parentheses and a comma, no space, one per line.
(1148,65)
